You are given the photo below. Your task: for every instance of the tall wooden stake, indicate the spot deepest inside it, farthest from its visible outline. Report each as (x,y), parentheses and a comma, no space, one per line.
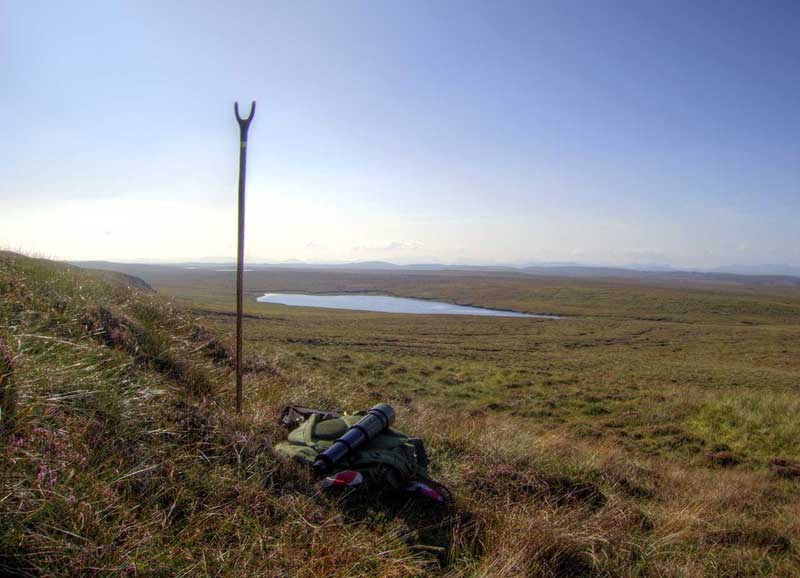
(244,125)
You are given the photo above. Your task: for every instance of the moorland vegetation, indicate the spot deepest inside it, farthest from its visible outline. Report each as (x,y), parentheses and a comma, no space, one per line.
(652,433)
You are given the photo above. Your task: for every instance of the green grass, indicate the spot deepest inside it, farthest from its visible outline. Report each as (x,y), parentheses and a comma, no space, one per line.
(574,448)
(764,424)
(665,355)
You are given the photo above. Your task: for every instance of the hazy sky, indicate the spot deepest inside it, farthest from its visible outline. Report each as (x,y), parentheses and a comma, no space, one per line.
(592,131)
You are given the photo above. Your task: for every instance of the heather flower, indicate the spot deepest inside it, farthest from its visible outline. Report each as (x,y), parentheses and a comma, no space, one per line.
(47,477)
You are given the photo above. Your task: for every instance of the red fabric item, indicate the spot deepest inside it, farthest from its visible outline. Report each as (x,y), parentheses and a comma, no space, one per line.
(345,478)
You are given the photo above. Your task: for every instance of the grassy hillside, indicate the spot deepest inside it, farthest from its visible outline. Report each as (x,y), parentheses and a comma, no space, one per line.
(574,449)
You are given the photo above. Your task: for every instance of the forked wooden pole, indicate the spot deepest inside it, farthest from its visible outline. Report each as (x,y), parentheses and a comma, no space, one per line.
(244,125)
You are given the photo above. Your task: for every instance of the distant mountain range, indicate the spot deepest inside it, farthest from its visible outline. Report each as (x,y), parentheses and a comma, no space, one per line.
(745,274)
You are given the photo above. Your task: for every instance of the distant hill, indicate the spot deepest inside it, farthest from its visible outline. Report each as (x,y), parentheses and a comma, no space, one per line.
(782,270)
(731,275)
(663,275)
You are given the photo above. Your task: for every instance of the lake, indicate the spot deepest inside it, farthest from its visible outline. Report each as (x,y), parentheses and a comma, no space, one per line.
(387,304)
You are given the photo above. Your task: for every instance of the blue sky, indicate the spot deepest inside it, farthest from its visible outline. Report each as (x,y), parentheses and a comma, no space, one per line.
(599,132)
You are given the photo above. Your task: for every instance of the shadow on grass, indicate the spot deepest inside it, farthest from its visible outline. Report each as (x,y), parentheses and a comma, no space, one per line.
(428,528)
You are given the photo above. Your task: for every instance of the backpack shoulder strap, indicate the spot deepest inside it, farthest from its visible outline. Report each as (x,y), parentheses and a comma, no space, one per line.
(294,415)
(308,430)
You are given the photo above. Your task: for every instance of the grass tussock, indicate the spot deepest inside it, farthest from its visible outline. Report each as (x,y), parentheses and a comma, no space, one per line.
(123,458)
(7,389)
(751,419)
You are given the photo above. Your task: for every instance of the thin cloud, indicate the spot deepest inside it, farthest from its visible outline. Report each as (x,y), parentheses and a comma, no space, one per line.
(392,246)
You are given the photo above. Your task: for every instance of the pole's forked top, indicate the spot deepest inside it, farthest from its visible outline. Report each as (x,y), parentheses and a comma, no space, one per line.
(244,123)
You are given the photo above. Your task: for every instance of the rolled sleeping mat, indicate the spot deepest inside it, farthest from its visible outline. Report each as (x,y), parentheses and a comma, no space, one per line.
(377,420)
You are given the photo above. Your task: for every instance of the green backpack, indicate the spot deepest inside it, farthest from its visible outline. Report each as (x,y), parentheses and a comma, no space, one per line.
(391,458)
